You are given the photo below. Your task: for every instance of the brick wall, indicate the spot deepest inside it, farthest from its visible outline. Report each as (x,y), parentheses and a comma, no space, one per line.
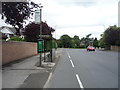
(115,48)
(12,51)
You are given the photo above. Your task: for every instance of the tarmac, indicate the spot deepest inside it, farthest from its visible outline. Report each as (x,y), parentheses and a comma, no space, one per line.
(26,73)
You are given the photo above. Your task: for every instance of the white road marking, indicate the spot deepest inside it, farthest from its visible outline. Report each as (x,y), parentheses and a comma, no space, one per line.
(47,82)
(72,63)
(79,81)
(69,56)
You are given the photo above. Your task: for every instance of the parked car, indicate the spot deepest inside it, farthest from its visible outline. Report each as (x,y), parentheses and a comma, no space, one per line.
(90,48)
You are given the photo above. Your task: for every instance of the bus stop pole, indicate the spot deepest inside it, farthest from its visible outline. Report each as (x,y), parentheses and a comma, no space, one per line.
(51,48)
(44,50)
(40,62)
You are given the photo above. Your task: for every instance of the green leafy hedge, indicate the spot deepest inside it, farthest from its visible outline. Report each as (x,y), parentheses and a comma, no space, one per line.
(48,45)
(16,39)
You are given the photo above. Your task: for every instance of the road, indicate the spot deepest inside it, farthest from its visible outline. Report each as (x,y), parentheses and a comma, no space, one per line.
(78,68)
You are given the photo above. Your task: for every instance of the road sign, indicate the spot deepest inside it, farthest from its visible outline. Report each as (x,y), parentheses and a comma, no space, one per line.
(45,36)
(37,17)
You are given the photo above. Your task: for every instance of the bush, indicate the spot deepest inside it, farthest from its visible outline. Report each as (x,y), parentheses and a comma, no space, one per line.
(82,46)
(118,42)
(101,43)
(16,39)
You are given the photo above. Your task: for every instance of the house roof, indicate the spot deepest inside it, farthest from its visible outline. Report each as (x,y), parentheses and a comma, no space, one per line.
(8,30)
(12,29)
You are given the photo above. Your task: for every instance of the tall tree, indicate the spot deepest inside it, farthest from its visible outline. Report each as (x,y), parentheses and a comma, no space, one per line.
(16,13)
(76,41)
(111,36)
(32,31)
(66,41)
(95,43)
(87,36)
(86,40)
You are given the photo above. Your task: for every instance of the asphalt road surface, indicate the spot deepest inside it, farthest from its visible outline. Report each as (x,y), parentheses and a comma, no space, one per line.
(78,68)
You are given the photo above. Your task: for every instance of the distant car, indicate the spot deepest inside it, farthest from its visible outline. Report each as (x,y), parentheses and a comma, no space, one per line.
(90,48)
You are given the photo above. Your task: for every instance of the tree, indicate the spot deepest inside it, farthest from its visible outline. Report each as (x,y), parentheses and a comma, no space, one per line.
(118,41)
(59,43)
(16,13)
(95,43)
(65,41)
(32,31)
(101,42)
(86,40)
(76,41)
(87,36)
(111,36)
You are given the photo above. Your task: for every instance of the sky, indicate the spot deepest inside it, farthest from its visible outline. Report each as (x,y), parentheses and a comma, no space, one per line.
(79,17)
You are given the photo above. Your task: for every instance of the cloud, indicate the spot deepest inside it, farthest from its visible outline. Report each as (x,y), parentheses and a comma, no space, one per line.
(80,31)
(98,13)
(85,4)
(68,3)
(79,17)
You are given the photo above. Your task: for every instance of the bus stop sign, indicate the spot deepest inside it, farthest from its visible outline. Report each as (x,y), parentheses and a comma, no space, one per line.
(40,46)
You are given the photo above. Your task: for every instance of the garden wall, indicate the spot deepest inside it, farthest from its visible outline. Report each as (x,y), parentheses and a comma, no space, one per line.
(12,51)
(115,48)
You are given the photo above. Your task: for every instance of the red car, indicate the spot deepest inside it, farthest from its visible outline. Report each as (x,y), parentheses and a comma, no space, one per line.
(90,48)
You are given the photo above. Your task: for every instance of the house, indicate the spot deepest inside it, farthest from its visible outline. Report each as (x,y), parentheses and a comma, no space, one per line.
(7,32)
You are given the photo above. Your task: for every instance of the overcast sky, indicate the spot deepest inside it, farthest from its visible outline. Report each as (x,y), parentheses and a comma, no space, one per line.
(79,17)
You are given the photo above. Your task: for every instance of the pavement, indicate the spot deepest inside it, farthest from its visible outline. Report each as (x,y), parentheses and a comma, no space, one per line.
(25,73)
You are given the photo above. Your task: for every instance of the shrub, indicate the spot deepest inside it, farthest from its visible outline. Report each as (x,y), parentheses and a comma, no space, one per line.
(16,39)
